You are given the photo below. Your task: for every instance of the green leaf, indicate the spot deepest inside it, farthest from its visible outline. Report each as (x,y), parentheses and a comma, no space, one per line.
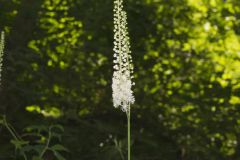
(38,128)
(37,158)
(37,148)
(58,127)
(19,143)
(59,147)
(58,156)
(2,118)
(57,136)
(1,121)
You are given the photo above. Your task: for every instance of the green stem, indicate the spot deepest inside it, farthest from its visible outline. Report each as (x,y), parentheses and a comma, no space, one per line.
(25,157)
(129,133)
(121,154)
(47,144)
(13,133)
(9,129)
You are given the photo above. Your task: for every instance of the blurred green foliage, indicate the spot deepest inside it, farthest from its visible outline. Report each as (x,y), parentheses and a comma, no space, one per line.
(38,142)
(58,68)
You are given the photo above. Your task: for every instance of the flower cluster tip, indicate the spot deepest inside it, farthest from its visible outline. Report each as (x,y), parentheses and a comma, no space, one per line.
(123,68)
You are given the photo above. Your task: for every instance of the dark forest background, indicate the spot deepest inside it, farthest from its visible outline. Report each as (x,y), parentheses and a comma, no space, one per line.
(57,70)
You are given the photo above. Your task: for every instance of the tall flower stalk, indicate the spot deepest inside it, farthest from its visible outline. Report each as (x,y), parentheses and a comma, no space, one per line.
(1,53)
(123,68)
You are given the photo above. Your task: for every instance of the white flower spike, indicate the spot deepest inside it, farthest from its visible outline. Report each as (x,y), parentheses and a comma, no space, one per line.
(123,68)
(1,52)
